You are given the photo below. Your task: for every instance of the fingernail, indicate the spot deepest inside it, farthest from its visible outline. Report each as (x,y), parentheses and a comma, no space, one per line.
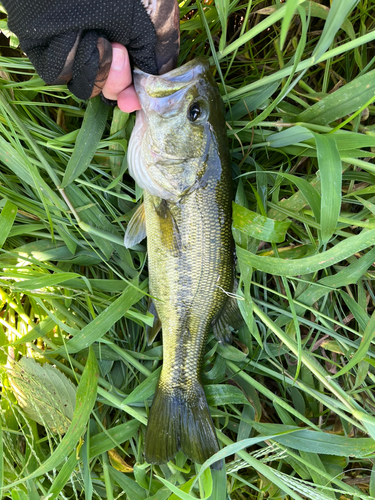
(118,59)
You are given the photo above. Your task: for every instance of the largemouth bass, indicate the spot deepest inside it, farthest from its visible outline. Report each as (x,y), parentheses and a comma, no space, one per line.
(178,154)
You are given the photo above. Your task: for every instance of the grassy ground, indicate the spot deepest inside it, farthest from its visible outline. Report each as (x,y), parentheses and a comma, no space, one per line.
(292,398)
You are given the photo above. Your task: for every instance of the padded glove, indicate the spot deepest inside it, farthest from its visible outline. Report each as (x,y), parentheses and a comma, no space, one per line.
(68,41)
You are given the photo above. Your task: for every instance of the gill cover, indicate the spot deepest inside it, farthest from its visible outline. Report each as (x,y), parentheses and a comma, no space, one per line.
(172,132)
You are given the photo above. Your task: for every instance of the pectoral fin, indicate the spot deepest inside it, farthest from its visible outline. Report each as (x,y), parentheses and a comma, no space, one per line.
(136,230)
(169,228)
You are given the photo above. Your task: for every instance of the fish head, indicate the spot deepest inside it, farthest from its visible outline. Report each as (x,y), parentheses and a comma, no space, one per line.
(170,143)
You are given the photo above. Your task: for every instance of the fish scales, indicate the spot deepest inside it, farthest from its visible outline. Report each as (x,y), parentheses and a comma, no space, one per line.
(178,153)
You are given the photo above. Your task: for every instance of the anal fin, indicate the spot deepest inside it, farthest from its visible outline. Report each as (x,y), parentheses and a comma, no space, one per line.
(229,316)
(153,330)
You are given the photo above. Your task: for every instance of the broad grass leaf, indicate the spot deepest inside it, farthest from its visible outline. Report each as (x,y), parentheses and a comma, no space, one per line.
(85,400)
(219,485)
(343,102)
(364,346)
(222,7)
(44,393)
(232,448)
(1,458)
(221,395)
(321,11)
(195,22)
(338,12)
(144,390)
(287,70)
(115,436)
(206,478)
(94,216)
(330,168)
(352,273)
(26,172)
(358,312)
(7,218)
(372,482)
(305,265)
(261,27)
(184,487)
(292,135)
(104,322)
(113,286)
(251,102)
(349,275)
(351,140)
(128,485)
(45,281)
(291,7)
(87,140)
(231,353)
(314,464)
(309,193)
(3,349)
(367,420)
(257,226)
(62,477)
(318,442)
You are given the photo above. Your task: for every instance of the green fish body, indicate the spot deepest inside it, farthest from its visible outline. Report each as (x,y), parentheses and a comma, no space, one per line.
(184,168)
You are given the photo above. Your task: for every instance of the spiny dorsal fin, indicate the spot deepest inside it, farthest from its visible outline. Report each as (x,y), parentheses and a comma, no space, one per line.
(136,230)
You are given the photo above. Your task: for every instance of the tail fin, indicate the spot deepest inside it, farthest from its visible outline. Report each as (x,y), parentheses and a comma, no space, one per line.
(180,420)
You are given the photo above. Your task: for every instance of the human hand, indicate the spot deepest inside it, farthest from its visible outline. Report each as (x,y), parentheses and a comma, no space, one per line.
(70,41)
(118,85)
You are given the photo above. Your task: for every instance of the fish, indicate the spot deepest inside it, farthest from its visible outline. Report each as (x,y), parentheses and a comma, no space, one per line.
(178,154)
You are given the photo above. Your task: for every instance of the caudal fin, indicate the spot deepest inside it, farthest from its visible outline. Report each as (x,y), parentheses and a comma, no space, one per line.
(180,420)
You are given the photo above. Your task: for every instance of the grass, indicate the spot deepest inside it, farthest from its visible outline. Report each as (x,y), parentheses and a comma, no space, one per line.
(292,398)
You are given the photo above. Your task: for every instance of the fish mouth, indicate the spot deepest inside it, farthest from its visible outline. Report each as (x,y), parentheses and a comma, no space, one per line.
(158,86)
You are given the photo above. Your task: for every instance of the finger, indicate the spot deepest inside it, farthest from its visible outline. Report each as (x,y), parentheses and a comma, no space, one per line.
(119,76)
(128,100)
(105,57)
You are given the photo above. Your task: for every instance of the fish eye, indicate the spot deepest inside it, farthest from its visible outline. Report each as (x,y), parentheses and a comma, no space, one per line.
(196,112)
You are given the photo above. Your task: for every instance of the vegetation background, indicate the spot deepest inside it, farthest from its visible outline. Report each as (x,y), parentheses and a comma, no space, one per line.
(292,398)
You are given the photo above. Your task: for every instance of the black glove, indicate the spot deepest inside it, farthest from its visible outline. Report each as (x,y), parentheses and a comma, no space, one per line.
(68,41)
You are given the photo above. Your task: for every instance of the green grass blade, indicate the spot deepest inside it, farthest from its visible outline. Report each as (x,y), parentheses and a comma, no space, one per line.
(337,14)
(330,167)
(87,140)
(63,476)
(318,442)
(7,218)
(306,265)
(257,226)
(361,353)
(344,101)
(291,7)
(102,323)
(105,441)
